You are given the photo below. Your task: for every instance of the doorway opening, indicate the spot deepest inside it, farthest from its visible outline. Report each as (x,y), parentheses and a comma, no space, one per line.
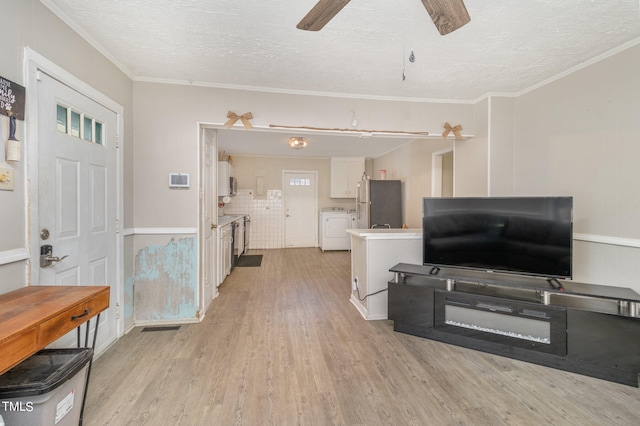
(442,173)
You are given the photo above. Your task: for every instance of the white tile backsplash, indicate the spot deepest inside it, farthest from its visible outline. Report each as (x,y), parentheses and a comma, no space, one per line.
(267,219)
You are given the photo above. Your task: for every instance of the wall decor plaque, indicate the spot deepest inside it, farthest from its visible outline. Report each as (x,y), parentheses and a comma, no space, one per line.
(11,98)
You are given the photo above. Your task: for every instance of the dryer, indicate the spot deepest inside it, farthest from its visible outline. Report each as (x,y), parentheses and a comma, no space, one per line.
(334,222)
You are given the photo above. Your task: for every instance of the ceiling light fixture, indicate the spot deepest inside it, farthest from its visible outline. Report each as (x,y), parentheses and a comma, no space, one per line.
(297,142)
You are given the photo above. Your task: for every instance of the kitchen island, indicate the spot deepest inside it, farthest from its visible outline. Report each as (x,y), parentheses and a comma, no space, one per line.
(373,253)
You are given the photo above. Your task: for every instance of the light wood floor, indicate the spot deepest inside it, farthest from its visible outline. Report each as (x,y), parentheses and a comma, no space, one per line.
(282,345)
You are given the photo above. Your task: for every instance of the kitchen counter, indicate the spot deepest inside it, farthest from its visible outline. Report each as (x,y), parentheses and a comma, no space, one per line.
(228,218)
(387,234)
(373,253)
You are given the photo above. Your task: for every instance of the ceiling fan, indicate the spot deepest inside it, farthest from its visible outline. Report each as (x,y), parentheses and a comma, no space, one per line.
(447,15)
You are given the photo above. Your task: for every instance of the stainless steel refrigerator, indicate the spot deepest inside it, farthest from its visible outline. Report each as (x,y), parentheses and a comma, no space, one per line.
(379,204)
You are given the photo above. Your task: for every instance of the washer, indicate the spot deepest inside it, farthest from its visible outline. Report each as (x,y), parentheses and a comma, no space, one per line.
(335,221)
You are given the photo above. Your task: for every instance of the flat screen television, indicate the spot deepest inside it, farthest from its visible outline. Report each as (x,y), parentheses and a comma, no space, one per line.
(520,235)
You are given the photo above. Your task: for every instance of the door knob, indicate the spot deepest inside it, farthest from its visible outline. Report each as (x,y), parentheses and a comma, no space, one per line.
(55,258)
(47,258)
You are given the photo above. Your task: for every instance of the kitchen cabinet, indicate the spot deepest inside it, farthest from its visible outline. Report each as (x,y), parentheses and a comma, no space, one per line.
(225,172)
(226,238)
(346,172)
(231,230)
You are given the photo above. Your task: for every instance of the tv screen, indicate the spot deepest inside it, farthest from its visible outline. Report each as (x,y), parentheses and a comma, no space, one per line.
(522,235)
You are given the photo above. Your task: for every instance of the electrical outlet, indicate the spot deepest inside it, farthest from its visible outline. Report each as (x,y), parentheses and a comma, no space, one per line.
(6,179)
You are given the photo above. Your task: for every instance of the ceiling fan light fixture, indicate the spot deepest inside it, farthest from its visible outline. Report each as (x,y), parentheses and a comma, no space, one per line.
(297,142)
(447,15)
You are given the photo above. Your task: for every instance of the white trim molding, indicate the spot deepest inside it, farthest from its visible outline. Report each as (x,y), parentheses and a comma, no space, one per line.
(159,231)
(603,239)
(436,171)
(178,321)
(15,255)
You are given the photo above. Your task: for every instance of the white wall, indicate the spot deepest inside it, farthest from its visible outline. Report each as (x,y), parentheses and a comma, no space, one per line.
(580,136)
(471,157)
(166,133)
(577,136)
(29,23)
(500,155)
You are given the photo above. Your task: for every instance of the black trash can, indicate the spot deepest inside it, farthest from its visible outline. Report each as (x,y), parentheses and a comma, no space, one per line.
(45,389)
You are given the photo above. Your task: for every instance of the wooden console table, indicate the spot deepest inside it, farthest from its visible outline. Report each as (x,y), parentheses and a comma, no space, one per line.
(33,317)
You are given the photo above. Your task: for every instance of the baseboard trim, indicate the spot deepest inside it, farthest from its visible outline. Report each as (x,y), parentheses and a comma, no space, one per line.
(354,301)
(167,322)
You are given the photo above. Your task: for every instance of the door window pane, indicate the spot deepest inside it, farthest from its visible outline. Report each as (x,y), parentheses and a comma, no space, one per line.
(98,138)
(88,129)
(75,124)
(61,119)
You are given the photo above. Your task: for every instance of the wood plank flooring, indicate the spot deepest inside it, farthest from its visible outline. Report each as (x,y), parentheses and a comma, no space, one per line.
(282,345)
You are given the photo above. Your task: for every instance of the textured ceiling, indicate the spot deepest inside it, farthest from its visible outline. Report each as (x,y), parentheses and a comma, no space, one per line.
(507,47)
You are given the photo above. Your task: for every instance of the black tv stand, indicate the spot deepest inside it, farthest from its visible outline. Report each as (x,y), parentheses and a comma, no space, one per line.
(583,328)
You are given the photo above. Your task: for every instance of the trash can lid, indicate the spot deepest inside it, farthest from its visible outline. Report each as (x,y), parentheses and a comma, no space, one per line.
(43,372)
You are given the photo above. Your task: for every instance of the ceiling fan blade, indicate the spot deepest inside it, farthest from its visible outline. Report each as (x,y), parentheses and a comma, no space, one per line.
(321,14)
(448,15)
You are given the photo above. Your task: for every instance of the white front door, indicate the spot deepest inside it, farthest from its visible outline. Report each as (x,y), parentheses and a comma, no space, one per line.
(301,209)
(77,196)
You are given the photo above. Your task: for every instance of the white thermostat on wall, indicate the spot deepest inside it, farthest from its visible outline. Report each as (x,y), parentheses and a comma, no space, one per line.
(178,180)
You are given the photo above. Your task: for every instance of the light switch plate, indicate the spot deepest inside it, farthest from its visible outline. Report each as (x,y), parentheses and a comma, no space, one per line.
(6,179)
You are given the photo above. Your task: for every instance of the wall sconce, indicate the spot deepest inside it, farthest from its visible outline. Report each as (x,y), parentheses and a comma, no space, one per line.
(297,142)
